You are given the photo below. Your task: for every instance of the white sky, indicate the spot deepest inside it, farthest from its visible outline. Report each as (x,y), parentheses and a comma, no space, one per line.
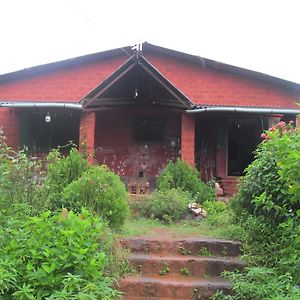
(262,35)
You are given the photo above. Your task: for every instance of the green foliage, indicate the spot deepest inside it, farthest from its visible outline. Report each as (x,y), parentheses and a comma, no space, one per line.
(185,271)
(168,206)
(101,191)
(183,176)
(270,187)
(203,251)
(258,283)
(165,270)
(267,206)
(19,181)
(218,213)
(55,257)
(61,171)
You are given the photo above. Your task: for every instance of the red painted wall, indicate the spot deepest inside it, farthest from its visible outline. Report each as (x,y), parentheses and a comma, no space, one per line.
(115,147)
(211,87)
(65,85)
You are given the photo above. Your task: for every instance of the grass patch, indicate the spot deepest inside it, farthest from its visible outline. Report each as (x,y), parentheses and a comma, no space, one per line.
(140,226)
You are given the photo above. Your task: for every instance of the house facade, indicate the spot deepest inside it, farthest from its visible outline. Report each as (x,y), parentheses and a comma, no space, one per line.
(136,109)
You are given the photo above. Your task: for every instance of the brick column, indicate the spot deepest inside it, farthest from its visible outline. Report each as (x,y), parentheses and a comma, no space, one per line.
(298,121)
(87,134)
(188,138)
(9,121)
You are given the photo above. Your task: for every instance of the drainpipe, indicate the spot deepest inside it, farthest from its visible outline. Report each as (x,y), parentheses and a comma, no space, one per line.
(41,105)
(245,110)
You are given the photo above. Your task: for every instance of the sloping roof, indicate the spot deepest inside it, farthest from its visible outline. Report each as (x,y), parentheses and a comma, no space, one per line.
(36,70)
(169,95)
(216,65)
(147,47)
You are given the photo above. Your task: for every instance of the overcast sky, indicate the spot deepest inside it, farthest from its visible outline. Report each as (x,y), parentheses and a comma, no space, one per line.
(262,35)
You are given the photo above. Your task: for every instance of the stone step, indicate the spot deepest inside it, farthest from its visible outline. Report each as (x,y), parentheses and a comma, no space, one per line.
(195,265)
(172,287)
(186,246)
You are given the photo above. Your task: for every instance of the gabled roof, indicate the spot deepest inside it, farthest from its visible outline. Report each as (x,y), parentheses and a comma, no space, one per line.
(147,47)
(139,76)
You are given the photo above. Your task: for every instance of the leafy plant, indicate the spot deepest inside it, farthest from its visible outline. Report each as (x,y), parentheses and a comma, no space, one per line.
(183,250)
(50,256)
(19,181)
(270,187)
(168,206)
(203,251)
(61,171)
(185,271)
(180,175)
(258,283)
(165,270)
(101,191)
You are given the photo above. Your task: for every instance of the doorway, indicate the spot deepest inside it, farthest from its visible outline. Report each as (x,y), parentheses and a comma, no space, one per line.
(243,138)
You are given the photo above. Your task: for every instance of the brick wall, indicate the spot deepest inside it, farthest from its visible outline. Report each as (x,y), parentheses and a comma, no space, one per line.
(115,146)
(9,121)
(66,85)
(87,133)
(188,138)
(212,87)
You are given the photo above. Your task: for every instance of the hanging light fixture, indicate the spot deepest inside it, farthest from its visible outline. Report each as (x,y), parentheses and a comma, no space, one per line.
(48,118)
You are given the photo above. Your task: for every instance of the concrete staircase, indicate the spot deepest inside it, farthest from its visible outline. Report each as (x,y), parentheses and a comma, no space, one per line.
(171,268)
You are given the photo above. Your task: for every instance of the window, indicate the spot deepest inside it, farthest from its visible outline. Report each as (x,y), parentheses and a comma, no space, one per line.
(149,129)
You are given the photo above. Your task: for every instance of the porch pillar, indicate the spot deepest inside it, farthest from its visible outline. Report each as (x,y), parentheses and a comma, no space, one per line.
(298,121)
(188,139)
(87,134)
(9,121)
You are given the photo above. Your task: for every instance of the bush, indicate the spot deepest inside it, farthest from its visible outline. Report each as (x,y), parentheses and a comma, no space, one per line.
(20,178)
(61,171)
(101,191)
(167,206)
(183,176)
(258,283)
(270,186)
(55,257)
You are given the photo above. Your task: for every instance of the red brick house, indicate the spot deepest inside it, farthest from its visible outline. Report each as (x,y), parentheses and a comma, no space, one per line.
(137,109)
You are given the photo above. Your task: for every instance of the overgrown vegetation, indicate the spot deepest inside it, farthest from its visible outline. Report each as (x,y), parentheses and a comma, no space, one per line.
(167,206)
(267,206)
(101,191)
(55,257)
(180,175)
(55,242)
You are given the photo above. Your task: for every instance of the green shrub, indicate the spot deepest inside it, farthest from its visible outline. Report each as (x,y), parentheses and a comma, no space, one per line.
(218,213)
(270,187)
(183,176)
(258,283)
(20,178)
(55,257)
(99,190)
(61,171)
(167,206)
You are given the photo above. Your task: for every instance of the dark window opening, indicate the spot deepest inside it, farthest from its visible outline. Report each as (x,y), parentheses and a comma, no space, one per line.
(40,136)
(243,138)
(149,129)
(288,118)
(141,174)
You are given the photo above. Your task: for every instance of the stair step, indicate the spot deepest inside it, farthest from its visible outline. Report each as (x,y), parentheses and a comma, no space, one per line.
(187,246)
(172,287)
(196,265)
